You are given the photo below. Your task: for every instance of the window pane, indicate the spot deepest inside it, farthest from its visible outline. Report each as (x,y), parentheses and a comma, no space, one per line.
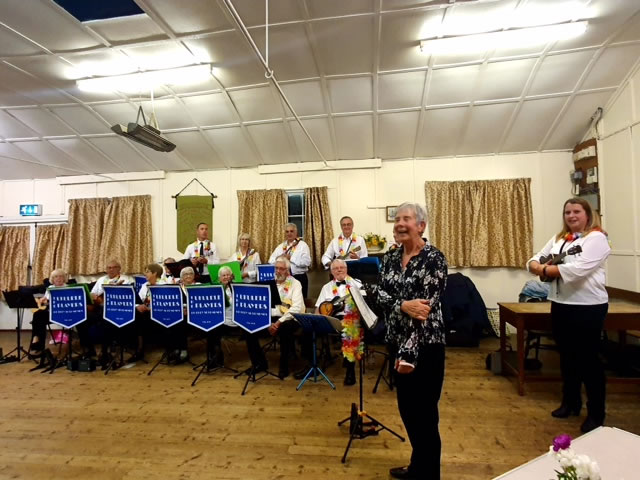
(298,223)
(295,205)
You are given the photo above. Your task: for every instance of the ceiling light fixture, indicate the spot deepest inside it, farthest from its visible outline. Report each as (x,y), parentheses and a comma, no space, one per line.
(146,135)
(520,37)
(144,81)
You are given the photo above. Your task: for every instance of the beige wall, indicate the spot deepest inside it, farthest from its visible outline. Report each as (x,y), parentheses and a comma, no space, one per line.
(360,193)
(619,161)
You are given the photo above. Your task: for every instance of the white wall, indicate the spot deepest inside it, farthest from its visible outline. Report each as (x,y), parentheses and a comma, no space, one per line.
(618,159)
(360,193)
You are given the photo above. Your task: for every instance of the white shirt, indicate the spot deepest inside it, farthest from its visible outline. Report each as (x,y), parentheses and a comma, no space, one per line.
(582,276)
(144,292)
(294,294)
(105,280)
(327,292)
(249,265)
(210,251)
(300,257)
(338,248)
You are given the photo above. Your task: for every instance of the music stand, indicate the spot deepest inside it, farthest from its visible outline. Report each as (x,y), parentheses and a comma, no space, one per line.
(358,428)
(205,367)
(317,324)
(176,268)
(19,301)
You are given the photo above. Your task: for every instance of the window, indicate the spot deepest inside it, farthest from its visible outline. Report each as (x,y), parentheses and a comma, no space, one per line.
(295,206)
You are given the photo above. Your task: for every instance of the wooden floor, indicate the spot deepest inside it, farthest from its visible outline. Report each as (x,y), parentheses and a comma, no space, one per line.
(128,425)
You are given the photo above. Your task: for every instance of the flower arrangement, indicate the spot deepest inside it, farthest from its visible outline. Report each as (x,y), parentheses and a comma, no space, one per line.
(574,467)
(374,241)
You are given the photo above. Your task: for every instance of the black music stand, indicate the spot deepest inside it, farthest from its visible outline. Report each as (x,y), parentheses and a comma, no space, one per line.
(205,367)
(18,300)
(176,268)
(358,428)
(317,324)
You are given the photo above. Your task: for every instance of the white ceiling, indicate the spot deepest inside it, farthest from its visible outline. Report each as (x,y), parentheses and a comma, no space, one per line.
(351,69)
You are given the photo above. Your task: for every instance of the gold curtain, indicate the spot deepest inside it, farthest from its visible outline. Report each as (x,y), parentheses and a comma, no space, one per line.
(318,231)
(486,223)
(262,214)
(14,257)
(127,235)
(86,227)
(49,251)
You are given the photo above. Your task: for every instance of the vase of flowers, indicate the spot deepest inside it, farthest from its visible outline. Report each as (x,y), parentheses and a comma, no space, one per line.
(375,242)
(574,466)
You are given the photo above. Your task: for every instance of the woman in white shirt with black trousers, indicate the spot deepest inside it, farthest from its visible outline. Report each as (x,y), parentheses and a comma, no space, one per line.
(579,304)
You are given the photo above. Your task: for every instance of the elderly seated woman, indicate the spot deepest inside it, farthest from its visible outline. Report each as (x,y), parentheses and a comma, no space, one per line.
(58,278)
(216,355)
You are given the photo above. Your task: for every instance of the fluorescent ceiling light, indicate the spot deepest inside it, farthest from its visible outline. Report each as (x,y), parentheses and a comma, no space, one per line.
(521,37)
(146,81)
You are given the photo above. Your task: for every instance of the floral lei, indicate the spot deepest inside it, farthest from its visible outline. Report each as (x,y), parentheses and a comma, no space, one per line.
(285,247)
(239,255)
(206,247)
(570,237)
(287,285)
(334,289)
(342,239)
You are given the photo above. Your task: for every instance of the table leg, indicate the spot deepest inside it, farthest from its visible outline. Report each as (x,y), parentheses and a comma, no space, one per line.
(520,343)
(503,340)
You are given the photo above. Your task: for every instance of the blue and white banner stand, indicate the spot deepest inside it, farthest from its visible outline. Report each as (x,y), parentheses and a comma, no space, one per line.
(251,306)
(119,304)
(205,306)
(67,306)
(266,272)
(140,280)
(166,304)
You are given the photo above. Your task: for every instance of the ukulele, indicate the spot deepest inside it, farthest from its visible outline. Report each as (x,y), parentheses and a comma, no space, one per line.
(42,305)
(250,252)
(346,255)
(332,307)
(556,259)
(287,303)
(287,252)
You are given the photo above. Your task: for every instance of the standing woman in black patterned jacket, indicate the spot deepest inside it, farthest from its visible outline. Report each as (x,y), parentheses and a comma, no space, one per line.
(411,282)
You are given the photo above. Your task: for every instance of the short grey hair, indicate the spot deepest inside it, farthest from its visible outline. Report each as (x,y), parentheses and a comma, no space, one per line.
(338,261)
(285,260)
(290,225)
(224,270)
(186,271)
(417,209)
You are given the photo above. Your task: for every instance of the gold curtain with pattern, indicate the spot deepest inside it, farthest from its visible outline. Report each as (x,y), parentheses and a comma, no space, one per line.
(127,235)
(486,223)
(14,257)
(262,214)
(318,231)
(49,251)
(86,226)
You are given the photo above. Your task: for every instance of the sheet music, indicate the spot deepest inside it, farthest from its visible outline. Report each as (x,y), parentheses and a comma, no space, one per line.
(366,313)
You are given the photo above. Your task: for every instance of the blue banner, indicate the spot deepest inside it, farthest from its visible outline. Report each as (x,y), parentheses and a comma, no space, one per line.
(266,272)
(166,304)
(140,280)
(119,304)
(67,306)
(205,306)
(252,306)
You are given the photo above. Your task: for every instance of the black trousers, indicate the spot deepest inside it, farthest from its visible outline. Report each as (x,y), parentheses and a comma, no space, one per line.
(577,331)
(214,346)
(39,327)
(418,396)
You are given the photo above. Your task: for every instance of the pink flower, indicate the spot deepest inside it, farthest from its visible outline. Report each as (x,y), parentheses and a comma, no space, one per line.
(561,442)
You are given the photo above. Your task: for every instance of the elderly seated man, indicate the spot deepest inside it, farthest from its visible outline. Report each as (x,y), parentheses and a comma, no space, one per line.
(352,333)
(291,301)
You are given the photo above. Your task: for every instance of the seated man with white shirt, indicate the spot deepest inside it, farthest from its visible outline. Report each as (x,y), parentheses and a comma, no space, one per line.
(352,333)
(346,246)
(202,252)
(292,301)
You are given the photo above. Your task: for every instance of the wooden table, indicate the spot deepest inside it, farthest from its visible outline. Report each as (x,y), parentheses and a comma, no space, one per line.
(537,316)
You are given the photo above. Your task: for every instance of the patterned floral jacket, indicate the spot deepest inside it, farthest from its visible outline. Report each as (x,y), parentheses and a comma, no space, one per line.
(424,277)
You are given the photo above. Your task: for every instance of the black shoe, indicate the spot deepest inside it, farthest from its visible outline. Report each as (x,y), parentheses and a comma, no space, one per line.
(590,424)
(565,410)
(261,367)
(404,472)
(104,360)
(300,374)
(283,373)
